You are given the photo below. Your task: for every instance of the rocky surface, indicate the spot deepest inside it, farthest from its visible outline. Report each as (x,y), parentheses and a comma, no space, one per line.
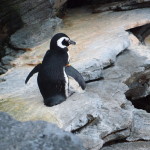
(35,19)
(102,113)
(141,145)
(10,55)
(35,135)
(36,34)
(25,24)
(115,5)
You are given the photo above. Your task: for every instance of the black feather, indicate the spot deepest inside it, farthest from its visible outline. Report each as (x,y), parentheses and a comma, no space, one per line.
(34,70)
(70,71)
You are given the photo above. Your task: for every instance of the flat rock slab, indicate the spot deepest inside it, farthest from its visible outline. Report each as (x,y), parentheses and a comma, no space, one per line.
(99,37)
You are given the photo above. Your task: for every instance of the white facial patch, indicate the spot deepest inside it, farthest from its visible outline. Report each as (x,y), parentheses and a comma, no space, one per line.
(59,42)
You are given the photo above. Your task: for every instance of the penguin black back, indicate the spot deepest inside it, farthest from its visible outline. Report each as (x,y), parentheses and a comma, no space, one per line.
(52,79)
(53,72)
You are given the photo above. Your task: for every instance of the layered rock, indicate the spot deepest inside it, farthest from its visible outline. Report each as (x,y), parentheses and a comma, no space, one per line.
(102,113)
(36,21)
(25,24)
(106,5)
(121,5)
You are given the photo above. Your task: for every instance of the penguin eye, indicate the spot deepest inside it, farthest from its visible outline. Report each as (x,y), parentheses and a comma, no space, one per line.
(65,42)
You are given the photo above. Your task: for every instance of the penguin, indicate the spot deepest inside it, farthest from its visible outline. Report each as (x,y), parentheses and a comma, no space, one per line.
(53,72)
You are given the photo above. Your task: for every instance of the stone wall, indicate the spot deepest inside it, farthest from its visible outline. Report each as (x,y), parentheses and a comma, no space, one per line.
(33,20)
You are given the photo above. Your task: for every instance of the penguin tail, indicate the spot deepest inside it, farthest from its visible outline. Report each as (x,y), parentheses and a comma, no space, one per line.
(54,100)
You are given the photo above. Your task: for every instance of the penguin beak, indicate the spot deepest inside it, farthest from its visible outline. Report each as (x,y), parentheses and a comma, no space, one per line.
(71,42)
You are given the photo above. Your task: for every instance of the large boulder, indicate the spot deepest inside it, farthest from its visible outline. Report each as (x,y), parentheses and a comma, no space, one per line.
(35,34)
(35,19)
(35,135)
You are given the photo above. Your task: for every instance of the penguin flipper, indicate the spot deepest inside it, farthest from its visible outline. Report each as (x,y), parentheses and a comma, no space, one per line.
(34,70)
(70,71)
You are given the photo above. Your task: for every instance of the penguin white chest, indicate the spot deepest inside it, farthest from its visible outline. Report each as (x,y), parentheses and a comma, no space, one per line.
(68,56)
(66,83)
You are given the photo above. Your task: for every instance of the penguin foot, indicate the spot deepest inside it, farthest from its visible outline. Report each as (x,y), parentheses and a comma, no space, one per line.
(55,100)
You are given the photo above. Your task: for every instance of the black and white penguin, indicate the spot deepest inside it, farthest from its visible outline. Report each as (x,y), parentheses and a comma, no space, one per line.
(54,70)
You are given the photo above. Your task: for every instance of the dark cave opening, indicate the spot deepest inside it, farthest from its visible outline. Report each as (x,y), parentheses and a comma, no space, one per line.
(78,3)
(141,32)
(141,103)
(138,92)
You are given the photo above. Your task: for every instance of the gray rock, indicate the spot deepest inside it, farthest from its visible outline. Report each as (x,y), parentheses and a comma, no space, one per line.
(36,34)
(101,51)
(116,115)
(33,18)
(141,145)
(102,113)
(7,59)
(116,112)
(35,135)
(2,69)
(119,6)
(12,52)
(140,128)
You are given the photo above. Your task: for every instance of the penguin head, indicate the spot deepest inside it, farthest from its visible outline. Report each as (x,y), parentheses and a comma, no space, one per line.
(61,41)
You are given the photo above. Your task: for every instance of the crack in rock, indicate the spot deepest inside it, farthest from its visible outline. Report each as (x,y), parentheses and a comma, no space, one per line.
(91,121)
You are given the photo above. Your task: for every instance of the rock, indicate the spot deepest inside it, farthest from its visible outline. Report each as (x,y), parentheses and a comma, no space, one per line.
(101,51)
(36,34)
(140,126)
(33,18)
(101,114)
(119,6)
(2,69)
(138,84)
(2,51)
(129,146)
(35,135)
(103,117)
(7,59)
(11,52)
(147,41)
